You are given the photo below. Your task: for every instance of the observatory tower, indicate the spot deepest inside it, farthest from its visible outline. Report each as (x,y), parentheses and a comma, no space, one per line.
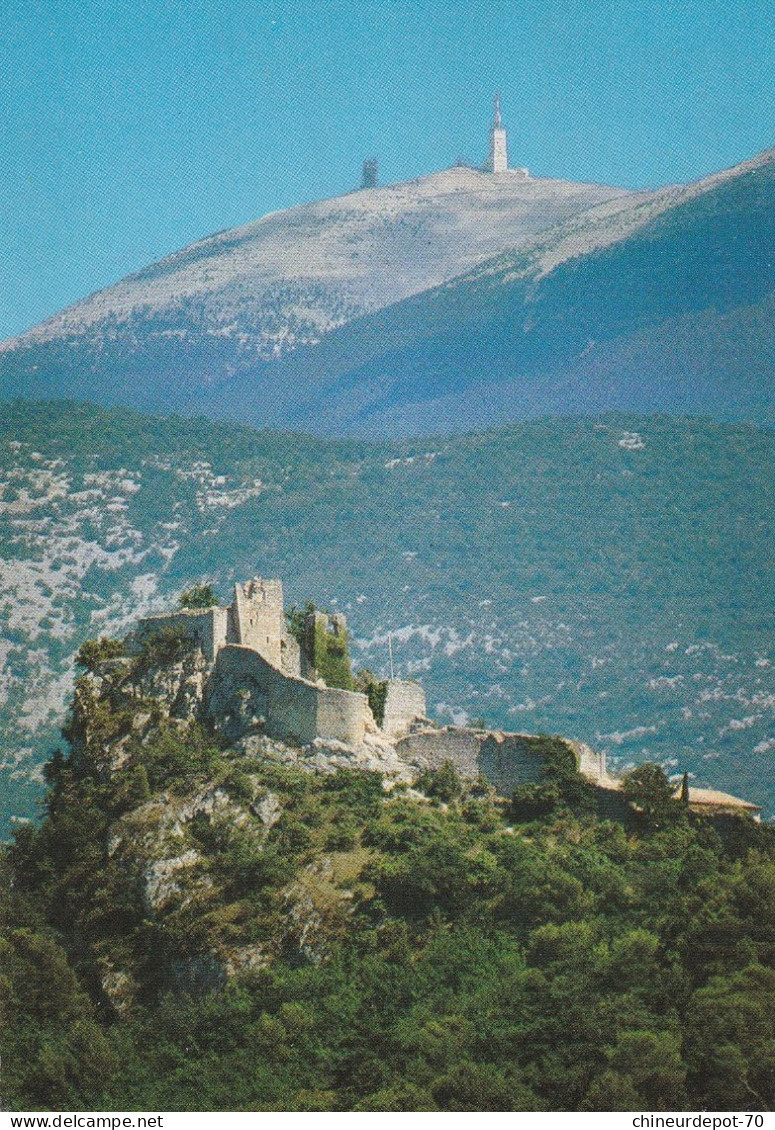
(498,161)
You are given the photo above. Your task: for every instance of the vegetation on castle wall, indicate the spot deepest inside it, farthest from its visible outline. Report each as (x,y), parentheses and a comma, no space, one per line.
(296,619)
(326,650)
(331,657)
(198,596)
(560,784)
(375,690)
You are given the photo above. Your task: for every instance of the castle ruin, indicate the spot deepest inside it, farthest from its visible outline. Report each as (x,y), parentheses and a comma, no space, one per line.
(256,673)
(248,672)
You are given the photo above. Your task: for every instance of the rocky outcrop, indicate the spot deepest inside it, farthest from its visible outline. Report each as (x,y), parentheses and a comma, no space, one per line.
(179,686)
(374,755)
(191,859)
(165,879)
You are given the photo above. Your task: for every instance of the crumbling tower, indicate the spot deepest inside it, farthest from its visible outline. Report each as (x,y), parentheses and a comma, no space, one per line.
(325,651)
(258,618)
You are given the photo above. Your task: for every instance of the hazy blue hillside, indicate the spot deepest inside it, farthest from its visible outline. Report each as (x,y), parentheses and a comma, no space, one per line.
(609,579)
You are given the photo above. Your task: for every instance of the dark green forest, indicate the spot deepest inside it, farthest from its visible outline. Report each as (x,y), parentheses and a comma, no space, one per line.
(435,949)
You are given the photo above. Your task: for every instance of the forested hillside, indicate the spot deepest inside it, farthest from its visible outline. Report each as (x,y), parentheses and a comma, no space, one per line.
(194,927)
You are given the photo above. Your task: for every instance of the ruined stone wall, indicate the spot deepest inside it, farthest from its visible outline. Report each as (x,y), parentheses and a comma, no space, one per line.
(429,749)
(291,657)
(590,762)
(246,688)
(405,702)
(508,760)
(205,628)
(505,760)
(343,715)
(325,649)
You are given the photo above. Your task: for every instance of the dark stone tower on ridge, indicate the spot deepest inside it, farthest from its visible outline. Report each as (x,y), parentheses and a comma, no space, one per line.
(370,175)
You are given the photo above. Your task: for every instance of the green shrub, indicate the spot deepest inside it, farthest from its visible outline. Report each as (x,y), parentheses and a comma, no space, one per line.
(93,653)
(164,646)
(648,788)
(177,760)
(198,596)
(375,690)
(357,790)
(296,618)
(342,835)
(444,784)
(531,802)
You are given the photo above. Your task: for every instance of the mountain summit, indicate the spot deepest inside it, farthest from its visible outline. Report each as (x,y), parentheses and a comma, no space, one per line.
(461,298)
(292,276)
(242,300)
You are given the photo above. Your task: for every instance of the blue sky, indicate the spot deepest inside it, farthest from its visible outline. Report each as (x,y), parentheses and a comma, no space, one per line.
(132,127)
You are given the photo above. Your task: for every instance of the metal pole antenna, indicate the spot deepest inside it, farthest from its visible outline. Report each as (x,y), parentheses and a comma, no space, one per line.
(390,650)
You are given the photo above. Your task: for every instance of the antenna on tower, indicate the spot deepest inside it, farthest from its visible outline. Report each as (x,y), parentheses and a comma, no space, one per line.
(390,652)
(498,161)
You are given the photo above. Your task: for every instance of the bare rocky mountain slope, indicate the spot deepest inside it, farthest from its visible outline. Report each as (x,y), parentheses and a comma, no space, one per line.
(292,276)
(658,304)
(250,296)
(458,299)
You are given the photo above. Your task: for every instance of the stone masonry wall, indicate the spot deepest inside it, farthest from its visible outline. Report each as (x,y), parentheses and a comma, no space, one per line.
(506,760)
(245,686)
(405,702)
(429,749)
(291,656)
(257,618)
(590,762)
(205,628)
